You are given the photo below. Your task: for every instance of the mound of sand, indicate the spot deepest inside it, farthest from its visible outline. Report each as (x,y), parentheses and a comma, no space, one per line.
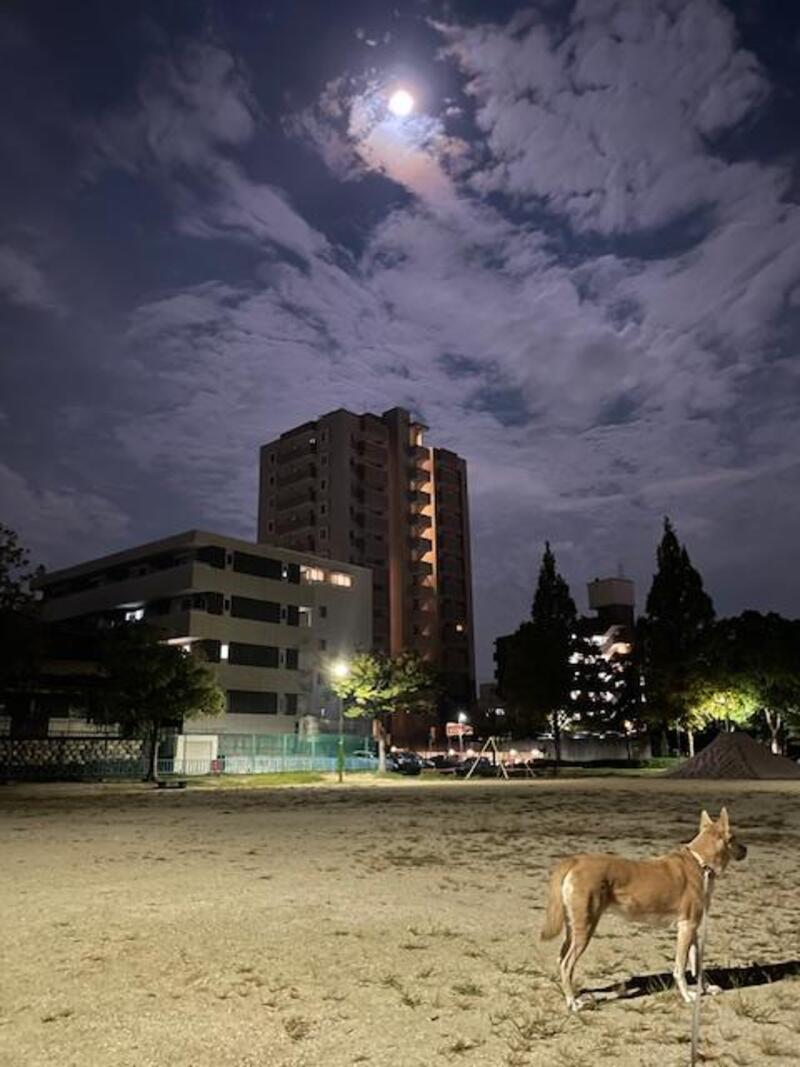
(736,755)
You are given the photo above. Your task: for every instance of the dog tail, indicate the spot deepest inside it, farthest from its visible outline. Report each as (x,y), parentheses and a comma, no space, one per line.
(554,912)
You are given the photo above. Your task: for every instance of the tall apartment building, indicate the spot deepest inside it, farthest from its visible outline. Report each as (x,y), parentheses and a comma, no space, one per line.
(270,621)
(367,489)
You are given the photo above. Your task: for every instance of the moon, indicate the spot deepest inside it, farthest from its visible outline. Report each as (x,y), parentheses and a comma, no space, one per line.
(401,103)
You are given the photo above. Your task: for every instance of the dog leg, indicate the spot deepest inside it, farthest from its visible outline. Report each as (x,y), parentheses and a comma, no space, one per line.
(687,931)
(708,989)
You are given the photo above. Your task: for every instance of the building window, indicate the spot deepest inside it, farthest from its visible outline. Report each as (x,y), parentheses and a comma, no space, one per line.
(134,616)
(323,644)
(259,566)
(323,484)
(271,479)
(337,578)
(272,458)
(304,616)
(323,611)
(323,533)
(323,509)
(243,607)
(290,703)
(224,649)
(292,615)
(312,574)
(290,572)
(252,655)
(292,659)
(248,702)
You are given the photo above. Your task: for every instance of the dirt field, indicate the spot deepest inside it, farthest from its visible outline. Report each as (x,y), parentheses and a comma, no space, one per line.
(385,924)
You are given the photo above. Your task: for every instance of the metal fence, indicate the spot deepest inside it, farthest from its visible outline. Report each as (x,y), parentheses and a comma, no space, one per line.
(276,754)
(98,758)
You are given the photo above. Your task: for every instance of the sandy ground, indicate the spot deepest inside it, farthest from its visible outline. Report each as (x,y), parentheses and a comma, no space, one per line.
(391,924)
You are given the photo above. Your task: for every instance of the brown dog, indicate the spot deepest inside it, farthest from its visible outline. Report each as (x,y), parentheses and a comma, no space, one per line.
(656,891)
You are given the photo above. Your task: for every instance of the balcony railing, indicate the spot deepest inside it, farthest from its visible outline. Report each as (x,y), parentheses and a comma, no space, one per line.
(307,470)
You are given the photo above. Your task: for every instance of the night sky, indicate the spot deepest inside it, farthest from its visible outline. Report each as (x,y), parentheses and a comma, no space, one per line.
(578,262)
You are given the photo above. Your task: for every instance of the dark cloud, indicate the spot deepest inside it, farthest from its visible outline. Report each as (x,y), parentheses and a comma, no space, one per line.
(558,263)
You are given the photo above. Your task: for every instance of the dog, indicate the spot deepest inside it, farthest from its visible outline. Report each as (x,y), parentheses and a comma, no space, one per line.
(667,889)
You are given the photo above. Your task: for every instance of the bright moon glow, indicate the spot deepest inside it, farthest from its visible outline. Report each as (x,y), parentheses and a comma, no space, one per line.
(401,103)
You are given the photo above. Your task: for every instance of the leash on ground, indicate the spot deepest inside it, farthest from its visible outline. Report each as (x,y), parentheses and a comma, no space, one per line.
(699,949)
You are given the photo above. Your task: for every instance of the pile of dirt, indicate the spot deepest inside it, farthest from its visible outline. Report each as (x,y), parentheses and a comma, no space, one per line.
(736,755)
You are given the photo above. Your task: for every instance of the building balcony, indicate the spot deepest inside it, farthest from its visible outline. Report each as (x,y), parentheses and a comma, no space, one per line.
(294,497)
(305,520)
(418,477)
(420,546)
(418,498)
(306,471)
(419,452)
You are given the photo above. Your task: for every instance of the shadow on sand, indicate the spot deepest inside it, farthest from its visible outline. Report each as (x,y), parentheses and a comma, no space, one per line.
(725,977)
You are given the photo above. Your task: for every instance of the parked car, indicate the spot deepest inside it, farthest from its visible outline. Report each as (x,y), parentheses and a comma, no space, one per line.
(443,763)
(403,762)
(484,768)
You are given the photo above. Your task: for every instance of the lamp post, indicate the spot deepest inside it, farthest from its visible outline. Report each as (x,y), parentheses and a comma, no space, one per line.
(463,718)
(340,670)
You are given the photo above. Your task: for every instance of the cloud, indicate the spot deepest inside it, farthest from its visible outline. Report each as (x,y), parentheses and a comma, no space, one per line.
(60,524)
(23,283)
(607,120)
(583,296)
(192,109)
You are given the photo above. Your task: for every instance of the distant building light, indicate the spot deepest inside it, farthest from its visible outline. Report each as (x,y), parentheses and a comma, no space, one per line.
(337,578)
(312,574)
(134,616)
(224,649)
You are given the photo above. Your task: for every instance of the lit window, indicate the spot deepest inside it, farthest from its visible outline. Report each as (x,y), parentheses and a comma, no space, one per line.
(224,648)
(134,616)
(460,627)
(337,578)
(313,574)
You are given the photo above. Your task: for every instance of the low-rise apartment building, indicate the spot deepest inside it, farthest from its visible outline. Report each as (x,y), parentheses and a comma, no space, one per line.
(271,621)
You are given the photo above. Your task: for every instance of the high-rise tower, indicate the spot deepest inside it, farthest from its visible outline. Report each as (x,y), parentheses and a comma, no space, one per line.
(367,489)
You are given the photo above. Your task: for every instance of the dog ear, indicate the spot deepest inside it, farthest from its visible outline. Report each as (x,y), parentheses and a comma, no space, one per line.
(705,820)
(724,825)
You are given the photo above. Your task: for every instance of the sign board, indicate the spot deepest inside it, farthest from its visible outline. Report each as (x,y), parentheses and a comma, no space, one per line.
(458,729)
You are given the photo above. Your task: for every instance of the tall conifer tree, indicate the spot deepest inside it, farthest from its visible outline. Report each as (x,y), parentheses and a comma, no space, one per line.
(537,675)
(678,616)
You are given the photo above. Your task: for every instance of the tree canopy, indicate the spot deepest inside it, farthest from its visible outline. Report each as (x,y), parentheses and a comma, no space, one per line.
(150,685)
(678,616)
(535,674)
(378,684)
(21,636)
(750,664)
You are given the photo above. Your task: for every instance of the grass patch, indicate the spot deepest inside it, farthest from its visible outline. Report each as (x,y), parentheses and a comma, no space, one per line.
(259,781)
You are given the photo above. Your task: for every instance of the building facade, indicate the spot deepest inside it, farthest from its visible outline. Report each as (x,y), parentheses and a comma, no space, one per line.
(270,621)
(369,490)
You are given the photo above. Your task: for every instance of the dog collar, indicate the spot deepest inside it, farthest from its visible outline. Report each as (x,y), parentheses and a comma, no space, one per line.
(700,861)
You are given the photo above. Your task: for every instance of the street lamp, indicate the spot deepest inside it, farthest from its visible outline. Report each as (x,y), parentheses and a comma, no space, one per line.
(340,670)
(462,719)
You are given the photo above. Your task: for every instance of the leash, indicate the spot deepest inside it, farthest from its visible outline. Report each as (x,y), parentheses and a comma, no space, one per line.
(700,947)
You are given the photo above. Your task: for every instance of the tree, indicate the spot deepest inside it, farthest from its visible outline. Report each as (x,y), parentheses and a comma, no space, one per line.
(678,616)
(377,685)
(16,573)
(537,675)
(20,627)
(150,685)
(758,658)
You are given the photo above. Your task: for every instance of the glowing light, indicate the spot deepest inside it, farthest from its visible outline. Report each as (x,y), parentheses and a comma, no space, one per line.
(401,103)
(340,669)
